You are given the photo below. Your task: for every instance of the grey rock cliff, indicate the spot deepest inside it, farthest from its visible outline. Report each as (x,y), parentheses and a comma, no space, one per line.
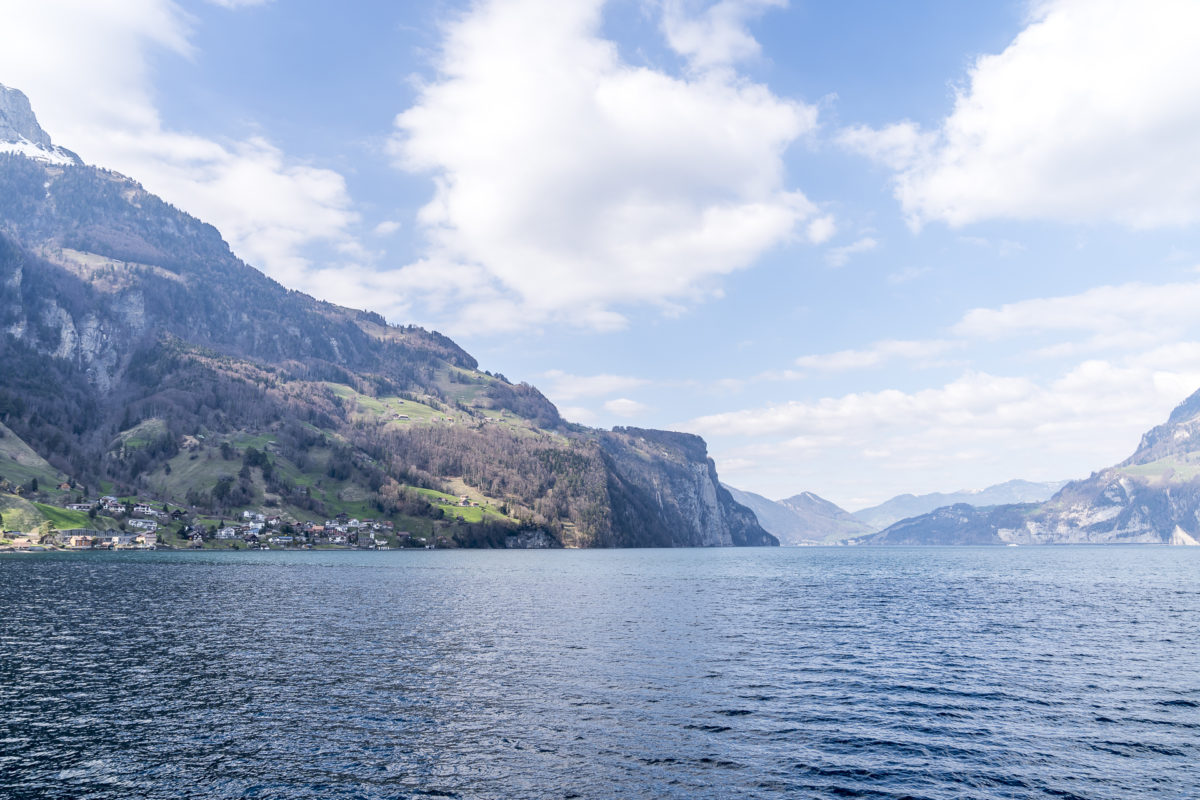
(664,492)
(17,120)
(19,125)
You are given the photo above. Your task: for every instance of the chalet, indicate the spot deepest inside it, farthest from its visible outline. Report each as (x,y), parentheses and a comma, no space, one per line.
(64,487)
(141,508)
(463,500)
(80,542)
(147,540)
(144,525)
(227,532)
(177,514)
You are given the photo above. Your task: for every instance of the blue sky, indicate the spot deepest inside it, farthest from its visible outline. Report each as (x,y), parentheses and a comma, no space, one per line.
(862,247)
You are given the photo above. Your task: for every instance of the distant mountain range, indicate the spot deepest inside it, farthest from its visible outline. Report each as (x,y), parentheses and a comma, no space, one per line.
(809,519)
(141,358)
(802,519)
(904,506)
(1152,497)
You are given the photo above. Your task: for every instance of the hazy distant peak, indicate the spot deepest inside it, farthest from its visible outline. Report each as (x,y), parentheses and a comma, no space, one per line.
(909,505)
(20,132)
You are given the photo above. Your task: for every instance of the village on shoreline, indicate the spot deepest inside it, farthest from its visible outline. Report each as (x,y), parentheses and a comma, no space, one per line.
(131,525)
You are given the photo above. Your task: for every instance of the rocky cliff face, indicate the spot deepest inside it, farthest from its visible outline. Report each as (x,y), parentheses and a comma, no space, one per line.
(17,120)
(21,133)
(664,492)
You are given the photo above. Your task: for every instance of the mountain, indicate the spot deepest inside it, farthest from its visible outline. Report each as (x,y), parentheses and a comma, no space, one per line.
(802,519)
(908,505)
(809,519)
(1152,497)
(142,358)
(21,133)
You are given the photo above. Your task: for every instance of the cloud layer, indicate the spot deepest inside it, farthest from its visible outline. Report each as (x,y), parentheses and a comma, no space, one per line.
(1088,116)
(570,183)
(1116,360)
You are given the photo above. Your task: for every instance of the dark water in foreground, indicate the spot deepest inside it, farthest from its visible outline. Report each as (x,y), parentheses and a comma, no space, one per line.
(823,673)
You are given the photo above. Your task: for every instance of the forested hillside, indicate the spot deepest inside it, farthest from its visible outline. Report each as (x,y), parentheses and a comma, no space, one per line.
(142,358)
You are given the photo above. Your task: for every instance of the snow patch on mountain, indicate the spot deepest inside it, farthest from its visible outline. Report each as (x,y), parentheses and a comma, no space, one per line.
(21,134)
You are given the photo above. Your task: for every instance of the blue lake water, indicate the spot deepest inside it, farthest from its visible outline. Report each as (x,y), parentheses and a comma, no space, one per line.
(1032,672)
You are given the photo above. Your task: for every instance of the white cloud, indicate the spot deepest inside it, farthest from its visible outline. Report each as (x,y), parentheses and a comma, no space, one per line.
(717,36)
(87,69)
(822,229)
(877,354)
(565,387)
(897,145)
(239,3)
(838,256)
(577,182)
(1130,313)
(1089,115)
(971,432)
(1114,361)
(624,407)
(908,274)
(578,414)
(387,227)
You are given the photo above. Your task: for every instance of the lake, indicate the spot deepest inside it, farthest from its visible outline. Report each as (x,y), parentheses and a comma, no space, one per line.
(1032,672)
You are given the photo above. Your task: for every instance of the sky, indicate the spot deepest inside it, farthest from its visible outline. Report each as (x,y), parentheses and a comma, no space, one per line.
(863,248)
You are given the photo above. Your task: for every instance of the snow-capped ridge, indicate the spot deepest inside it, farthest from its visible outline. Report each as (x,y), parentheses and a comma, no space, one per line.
(21,134)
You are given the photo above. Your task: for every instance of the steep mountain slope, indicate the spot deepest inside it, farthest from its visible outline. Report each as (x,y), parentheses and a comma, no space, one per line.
(908,505)
(141,356)
(1153,497)
(802,519)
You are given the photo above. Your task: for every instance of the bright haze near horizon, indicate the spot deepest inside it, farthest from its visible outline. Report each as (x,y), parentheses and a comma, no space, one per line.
(862,248)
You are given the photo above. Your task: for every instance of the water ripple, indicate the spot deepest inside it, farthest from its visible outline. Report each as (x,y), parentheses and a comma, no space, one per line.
(810,673)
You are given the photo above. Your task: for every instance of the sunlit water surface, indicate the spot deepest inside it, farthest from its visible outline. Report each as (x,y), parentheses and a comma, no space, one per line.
(823,673)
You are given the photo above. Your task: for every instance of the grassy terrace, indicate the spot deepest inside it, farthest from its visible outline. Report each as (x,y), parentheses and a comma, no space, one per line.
(143,433)
(19,463)
(387,408)
(19,514)
(1171,468)
(449,504)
